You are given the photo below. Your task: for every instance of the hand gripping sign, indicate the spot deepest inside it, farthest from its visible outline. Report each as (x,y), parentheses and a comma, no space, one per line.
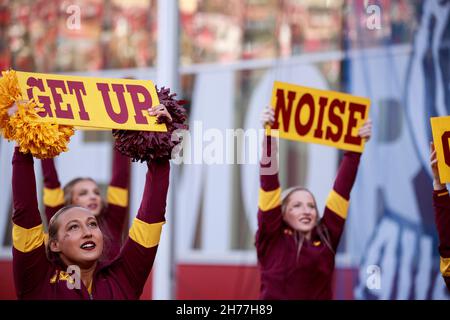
(92,102)
(441,138)
(319,116)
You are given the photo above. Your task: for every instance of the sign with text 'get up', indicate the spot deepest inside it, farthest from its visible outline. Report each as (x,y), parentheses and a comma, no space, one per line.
(92,102)
(318,116)
(441,138)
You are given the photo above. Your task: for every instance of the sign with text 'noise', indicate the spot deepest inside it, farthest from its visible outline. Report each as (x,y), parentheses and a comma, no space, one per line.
(92,102)
(318,116)
(440,127)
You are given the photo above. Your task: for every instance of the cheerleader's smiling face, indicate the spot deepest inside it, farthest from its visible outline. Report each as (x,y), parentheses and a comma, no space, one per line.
(86,193)
(301,212)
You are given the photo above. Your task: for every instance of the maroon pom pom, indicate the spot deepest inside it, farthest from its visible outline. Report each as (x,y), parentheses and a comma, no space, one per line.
(148,145)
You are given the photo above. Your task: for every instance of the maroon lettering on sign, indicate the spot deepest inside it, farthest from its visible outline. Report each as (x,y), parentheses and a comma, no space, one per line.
(44,100)
(285,111)
(139,106)
(336,120)
(318,133)
(354,108)
(57,99)
(305,100)
(446,146)
(77,87)
(122,116)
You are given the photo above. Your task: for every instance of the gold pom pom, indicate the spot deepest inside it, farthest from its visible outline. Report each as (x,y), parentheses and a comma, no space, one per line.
(43,140)
(9,93)
(3,119)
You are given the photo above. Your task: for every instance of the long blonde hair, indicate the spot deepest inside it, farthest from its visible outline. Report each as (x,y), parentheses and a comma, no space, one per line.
(321,230)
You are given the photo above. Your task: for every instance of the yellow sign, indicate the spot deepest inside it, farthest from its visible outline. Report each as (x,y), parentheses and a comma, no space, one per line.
(92,102)
(441,138)
(319,116)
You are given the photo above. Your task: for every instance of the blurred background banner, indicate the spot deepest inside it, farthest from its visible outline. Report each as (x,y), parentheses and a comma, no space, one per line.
(395,52)
(392,222)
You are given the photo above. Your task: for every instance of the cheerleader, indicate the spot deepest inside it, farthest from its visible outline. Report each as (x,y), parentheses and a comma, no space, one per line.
(110,212)
(296,249)
(68,266)
(441,205)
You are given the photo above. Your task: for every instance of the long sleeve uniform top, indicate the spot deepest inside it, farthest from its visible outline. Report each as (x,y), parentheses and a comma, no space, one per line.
(36,277)
(441,204)
(112,217)
(286,274)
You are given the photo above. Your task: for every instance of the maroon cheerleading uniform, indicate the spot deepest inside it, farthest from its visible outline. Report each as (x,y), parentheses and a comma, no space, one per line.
(124,278)
(441,204)
(112,218)
(308,274)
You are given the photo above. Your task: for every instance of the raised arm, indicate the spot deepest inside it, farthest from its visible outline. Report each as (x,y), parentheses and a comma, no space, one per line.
(139,250)
(136,258)
(441,205)
(269,198)
(30,263)
(53,193)
(117,196)
(336,207)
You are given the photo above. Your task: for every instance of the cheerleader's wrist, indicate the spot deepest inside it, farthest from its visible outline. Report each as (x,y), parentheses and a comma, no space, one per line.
(438,186)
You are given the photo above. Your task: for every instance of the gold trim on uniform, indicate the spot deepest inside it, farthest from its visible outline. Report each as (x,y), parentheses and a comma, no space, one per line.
(117,196)
(26,240)
(337,204)
(444,193)
(146,234)
(269,199)
(445,267)
(55,277)
(53,197)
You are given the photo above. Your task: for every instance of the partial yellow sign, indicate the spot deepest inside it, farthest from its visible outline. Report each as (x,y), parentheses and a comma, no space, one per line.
(441,138)
(92,102)
(318,116)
